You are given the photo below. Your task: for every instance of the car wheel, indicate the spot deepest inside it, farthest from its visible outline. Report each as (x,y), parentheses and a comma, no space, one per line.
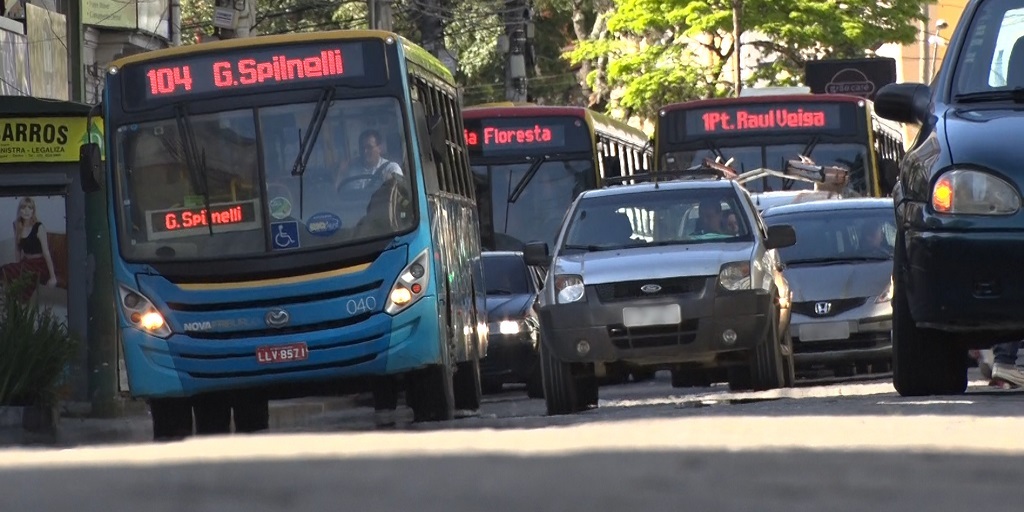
(924,361)
(788,361)
(252,414)
(172,418)
(535,383)
(213,414)
(767,365)
(564,392)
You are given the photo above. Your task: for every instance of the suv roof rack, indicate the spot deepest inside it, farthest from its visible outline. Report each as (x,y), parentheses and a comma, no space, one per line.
(826,178)
(706,170)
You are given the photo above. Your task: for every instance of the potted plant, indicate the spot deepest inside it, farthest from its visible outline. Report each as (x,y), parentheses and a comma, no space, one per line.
(36,350)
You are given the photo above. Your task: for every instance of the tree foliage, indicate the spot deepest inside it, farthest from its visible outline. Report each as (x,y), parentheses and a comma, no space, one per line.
(664,51)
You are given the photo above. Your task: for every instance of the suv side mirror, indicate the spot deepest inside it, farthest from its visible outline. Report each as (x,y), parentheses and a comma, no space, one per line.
(780,236)
(536,254)
(903,103)
(90,166)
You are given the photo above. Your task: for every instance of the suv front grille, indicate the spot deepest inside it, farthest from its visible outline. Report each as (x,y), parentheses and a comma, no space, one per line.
(626,338)
(625,290)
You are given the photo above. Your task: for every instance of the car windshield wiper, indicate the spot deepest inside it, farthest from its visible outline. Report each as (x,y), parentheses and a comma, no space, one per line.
(1016,95)
(591,248)
(194,160)
(848,259)
(316,121)
(525,180)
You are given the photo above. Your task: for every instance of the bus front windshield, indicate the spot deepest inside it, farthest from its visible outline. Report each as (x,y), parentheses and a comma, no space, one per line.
(535,212)
(234,183)
(849,156)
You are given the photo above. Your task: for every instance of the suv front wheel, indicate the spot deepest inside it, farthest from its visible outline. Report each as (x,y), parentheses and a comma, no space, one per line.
(568,387)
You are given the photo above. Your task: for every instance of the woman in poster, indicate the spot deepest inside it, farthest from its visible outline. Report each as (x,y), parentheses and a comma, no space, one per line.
(31,251)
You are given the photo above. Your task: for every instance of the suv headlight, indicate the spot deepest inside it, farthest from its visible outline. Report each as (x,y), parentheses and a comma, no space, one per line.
(735,276)
(886,296)
(968,192)
(568,288)
(142,314)
(410,285)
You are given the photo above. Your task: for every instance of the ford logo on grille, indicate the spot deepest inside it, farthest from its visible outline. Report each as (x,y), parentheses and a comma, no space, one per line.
(822,308)
(650,288)
(277,317)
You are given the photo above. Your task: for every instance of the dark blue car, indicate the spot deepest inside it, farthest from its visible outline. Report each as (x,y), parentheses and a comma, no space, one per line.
(514,330)
(960,228)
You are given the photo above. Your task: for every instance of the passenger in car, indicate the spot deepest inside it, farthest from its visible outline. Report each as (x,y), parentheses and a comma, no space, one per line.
(709,220)
(732,225)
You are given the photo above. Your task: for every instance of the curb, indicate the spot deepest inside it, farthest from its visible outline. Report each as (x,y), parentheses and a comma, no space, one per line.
(137,428)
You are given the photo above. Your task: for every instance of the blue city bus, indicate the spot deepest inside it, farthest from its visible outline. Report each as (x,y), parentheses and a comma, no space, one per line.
(290,214)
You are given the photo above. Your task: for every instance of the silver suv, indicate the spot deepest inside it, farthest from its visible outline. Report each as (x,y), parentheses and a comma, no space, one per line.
(673,273)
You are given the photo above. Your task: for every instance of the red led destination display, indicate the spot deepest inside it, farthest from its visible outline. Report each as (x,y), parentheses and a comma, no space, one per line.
(529,135)
(191,221)
(250,68)
(729,120)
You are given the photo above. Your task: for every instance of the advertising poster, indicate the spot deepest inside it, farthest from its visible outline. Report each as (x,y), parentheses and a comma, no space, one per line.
(33,241)
(46,139)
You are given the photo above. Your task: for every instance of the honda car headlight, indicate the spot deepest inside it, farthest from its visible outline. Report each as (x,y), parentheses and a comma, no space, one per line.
(968,192)
(735,276)
(569,288)
(142,314)
(886,296)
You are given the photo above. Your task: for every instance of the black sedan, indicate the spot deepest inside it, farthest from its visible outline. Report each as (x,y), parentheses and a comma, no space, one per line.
(960,233)
(512,324)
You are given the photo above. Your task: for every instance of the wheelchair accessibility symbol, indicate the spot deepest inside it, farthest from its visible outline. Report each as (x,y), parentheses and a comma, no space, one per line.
(286,234)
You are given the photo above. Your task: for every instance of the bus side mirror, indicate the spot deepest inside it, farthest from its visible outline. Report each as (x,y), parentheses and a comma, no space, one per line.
(780,236)
(536,254)
(438,140)
(612,166)
(90,162)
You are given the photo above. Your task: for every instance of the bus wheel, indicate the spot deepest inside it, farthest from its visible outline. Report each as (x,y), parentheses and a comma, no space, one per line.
(431,394)
(213,414)
(252,414)
(172,418)
(467,385)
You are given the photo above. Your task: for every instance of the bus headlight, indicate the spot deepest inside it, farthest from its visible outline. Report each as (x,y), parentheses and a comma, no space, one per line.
(142,314)
(410,285)
(735,276)
(967,192)
(569,288)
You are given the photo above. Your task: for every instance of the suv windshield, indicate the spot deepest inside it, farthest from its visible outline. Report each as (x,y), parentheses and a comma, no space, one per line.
(353,185)
(537,213)
(657,217)
(747,158)
(506,275)
(995,59)
(838,235)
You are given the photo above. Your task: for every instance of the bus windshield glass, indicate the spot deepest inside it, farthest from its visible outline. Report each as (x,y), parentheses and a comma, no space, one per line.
(536,213)
(245,182)
(745,158)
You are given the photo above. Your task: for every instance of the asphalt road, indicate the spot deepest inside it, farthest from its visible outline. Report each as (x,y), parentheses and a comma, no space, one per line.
(832,446)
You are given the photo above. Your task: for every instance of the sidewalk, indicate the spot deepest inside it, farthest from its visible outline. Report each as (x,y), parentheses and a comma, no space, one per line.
(135,425)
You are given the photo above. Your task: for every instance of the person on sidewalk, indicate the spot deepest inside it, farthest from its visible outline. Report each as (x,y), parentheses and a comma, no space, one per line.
(1004,368)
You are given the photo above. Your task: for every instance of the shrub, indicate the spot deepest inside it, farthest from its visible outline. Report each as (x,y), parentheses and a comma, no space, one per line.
(36,348)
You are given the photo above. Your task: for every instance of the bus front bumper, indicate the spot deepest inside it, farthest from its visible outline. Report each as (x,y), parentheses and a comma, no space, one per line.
(182,366)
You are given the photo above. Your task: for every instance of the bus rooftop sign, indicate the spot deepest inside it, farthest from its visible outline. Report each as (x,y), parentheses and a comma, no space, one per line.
(763,118)
(512,134)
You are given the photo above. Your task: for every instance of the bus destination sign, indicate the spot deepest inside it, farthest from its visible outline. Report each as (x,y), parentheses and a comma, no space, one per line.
(244,69)
(178,222)
(763,118)
(516,135)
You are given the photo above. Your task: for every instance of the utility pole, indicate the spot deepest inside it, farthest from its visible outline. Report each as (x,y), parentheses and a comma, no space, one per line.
(381,17)
(516,45)
(737,31)
(75,58)
(925,73)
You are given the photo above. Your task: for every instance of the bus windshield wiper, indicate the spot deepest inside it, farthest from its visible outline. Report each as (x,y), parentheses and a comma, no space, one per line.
(316,121)
(525,180)
(195,160)
(1016,95)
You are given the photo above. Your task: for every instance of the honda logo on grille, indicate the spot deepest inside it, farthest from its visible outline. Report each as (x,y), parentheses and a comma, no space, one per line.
(822,308)
(277,317)
(650,288)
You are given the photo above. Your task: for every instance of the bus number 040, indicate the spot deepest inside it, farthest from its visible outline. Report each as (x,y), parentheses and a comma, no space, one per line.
(167,80)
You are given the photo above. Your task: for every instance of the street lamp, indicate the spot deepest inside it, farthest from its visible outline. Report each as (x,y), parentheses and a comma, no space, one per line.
(936,40)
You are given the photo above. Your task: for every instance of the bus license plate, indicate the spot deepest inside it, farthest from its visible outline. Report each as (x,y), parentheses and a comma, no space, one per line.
(282,353)
(653,315)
